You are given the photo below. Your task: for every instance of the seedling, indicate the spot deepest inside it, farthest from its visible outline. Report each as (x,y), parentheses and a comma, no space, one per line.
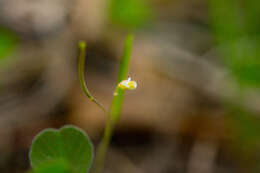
(69,150)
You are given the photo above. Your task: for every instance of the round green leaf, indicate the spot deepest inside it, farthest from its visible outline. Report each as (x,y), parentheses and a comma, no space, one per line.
(69,143)
(56,166)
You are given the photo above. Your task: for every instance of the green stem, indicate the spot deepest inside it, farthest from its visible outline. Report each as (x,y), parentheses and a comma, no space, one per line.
(114,112)
(103,146)
(81,71)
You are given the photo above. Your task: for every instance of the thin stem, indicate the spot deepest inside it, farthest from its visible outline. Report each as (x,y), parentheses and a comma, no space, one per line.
(114,112)
(81,70)
(103,146)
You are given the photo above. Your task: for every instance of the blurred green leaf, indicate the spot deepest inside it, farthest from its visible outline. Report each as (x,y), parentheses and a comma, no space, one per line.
(56,166)
(130,13)
(8,42)
(69,143)
(237,27)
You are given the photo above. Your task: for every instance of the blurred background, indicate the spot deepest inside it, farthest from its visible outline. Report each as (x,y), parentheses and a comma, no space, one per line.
(196,62)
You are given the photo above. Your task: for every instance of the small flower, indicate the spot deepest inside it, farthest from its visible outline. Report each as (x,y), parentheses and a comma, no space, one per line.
(127,84)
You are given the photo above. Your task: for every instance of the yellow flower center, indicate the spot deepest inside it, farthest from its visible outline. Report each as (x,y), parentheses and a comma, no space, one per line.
(127,84)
